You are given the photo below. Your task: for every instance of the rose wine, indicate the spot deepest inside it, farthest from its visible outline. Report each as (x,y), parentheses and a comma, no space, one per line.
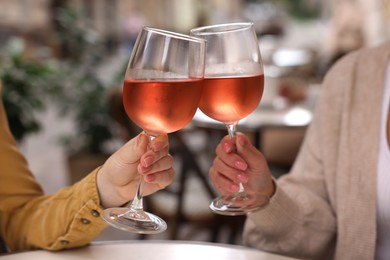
(230,99)
(161,106)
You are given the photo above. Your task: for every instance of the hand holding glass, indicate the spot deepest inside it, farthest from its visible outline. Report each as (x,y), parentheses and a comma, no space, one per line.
(232,89)
(161,92)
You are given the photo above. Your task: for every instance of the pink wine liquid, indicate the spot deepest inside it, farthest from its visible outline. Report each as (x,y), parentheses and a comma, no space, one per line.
(231,99)
(161,106)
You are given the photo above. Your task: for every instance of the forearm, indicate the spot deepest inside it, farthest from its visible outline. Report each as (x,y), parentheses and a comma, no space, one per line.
(68,218)
(299,227)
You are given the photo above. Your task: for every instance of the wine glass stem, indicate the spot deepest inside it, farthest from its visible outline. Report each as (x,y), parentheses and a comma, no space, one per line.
(137,203)
(232,130)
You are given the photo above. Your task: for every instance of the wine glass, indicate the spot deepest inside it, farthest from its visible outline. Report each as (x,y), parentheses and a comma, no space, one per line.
(232,89)
(161,92)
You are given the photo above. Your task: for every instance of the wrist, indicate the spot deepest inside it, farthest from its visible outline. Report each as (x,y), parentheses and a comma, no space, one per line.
(264,197)
(108,195)
(272,189)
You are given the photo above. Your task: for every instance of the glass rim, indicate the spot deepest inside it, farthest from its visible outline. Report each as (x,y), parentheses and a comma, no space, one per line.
(174,34)
(229,27)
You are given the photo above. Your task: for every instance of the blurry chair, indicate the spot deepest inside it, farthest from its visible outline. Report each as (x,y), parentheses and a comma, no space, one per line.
(280,147)
(186,200)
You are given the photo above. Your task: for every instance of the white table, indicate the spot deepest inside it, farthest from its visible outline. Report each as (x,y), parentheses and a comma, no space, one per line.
(272,112)
(295,115)
(150,250)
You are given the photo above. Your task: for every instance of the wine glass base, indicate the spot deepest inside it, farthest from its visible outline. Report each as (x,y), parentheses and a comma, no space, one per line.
(135,221)
(233,205)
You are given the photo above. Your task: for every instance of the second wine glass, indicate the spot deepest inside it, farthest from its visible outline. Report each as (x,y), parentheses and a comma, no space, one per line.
(161,92)
(232,89)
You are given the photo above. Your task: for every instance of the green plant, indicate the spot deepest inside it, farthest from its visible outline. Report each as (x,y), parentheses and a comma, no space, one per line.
(72,81)
(26,85)
(298,9)
(86,99)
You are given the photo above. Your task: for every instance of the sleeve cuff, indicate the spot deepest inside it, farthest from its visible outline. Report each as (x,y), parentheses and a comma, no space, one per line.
(277,216)
(87,223)
(86,189)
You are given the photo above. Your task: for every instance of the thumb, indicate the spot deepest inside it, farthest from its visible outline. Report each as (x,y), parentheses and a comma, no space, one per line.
(261,184)
(253,157)
(132,151)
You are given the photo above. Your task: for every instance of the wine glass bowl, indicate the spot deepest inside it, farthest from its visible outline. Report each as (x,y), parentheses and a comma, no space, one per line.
(230,99)
(161,92)
(232,89)
(166,106)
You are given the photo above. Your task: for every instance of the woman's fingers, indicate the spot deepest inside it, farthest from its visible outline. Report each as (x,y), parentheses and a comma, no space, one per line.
(159,165)
(240,162)
(162,179)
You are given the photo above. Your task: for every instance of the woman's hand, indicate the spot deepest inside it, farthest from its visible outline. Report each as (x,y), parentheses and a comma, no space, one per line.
(118,179)
(241,162)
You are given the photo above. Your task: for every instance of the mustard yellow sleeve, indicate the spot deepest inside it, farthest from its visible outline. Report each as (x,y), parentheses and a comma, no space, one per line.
(69,218)
(28,218)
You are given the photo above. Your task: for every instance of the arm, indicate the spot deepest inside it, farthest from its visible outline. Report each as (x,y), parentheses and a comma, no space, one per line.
(300,218)
(70,217)
(294,216)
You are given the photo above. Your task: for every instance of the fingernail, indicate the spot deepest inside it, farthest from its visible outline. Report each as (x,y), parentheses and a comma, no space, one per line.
(234,187)
(242,178)
(241,165)
(226,147)
(157,146)
(150,178)
(147,161)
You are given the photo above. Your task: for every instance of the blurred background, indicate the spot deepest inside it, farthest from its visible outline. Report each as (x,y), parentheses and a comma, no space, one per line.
(62,63)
